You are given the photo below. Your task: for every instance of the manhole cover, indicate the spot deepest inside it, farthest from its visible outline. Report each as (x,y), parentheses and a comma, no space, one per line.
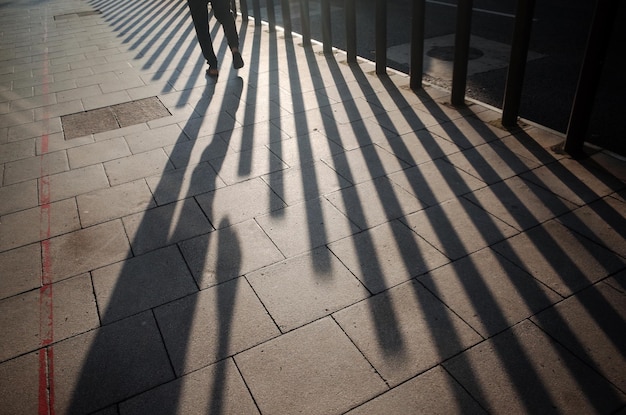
(446,53)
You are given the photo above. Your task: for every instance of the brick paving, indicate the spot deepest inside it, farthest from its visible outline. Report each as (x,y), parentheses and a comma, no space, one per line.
(298,236)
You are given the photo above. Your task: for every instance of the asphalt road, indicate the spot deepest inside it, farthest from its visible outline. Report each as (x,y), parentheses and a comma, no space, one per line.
(559,36)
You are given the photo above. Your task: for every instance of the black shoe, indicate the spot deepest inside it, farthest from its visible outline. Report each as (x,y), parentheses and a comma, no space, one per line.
(237,60)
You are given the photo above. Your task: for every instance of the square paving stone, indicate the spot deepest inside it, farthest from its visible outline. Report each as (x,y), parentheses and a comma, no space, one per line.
(140,283)
(237,167)
(228,253)
(165,225)
(405,331)
(433,392)
(19,196)
(35,167)
(603,221)
(89,122)
(523,371)
(300,228)
(365,163)
(75,182)
(257,135)
(98,152)
(312,370)
(458,227)
(435,182)
(105,366)
(592,325)
(467,132)
(215,323)
(387,255)
(360,134)
(406,120)
(519,203)
(20,269)
(137,112)
(303,150)
(73,312)
(372,203)
(88,249)
(305,288)
(19,385)
(179,184)
(488,292)
(137,166)
(560,258)
(216,389)
(419,147)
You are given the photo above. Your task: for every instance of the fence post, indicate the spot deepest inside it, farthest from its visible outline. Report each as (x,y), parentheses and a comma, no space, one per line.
(306,22)
(327,38)
(350,8)
(271,15)
(461,51)
(286,17)
(517,62)
(416,69)
(590,73)
(381,37)
(243,7)
(256,8)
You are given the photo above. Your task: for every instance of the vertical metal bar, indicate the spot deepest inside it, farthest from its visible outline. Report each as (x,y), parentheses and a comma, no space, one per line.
(416,69)
(256,7)
(286,8)
(350,10)
(381,37)
(327,38)
(517,62)
(306,22)
(271,15)
(461,51)
(243,6)
(590,73)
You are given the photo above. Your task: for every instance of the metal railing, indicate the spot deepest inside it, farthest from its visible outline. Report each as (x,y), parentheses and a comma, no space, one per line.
(601,27)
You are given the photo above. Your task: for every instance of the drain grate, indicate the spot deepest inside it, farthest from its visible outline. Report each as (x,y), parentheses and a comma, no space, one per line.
(76,14)
(113,117)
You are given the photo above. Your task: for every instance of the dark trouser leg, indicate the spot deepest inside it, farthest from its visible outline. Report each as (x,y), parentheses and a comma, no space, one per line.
(221,11)
(200,16)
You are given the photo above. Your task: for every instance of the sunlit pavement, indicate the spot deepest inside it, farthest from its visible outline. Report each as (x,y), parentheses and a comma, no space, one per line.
(299,236)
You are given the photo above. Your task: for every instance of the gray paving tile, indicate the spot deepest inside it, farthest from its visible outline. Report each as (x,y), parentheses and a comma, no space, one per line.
(19,196)
(87,249)
(73,312)
(58,110)
(304,150)
(75,182)
(215,323)
(228,253)
(351,109)
(108,365)
(359,134)
(215,389)
(160,276)
(592,325)
(534,144)
(155,138)
(387,255)
(19,385)
(305,288)
(574,181)
(35,167)
(17,150)
(603,221)
(418,147)
(618,281)
(523,371)
(310,181)
(36,224)
(458,227)
(238,167)
(184,153)
(35,129)
(560,258)
(98,152)
(313,370)
(467,132)
(488,292)
(165,225)
(239,202)
(20,269)
(520,203)
(435,182)
(405,331)
(318,223)
(137,166)
(365,163)
(433,392)
(373,203)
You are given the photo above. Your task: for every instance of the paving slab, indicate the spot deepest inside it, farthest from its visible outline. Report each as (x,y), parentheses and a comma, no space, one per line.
(560,258)
(105,366)
(433,392)
(592,325)
(305,288)
(19,196)
(188,153)
(523,371)
(20,269)
(214,389)
(467,132)
(137,166)
(313,370)
(365,163)
(246,165)
(98,152)
(418,147)
(35,167)
(19,384)
(405,331)
(213,324)
(358,134)
(75,182)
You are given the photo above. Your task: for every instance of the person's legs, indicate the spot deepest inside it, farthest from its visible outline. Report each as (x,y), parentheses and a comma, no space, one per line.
(222,12)
(200,16)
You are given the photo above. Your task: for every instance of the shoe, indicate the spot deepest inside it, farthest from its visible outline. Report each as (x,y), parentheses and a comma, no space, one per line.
(237,60)
(212,72)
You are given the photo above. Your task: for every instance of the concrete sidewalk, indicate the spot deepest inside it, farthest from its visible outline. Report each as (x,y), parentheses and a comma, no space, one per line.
(300,236)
